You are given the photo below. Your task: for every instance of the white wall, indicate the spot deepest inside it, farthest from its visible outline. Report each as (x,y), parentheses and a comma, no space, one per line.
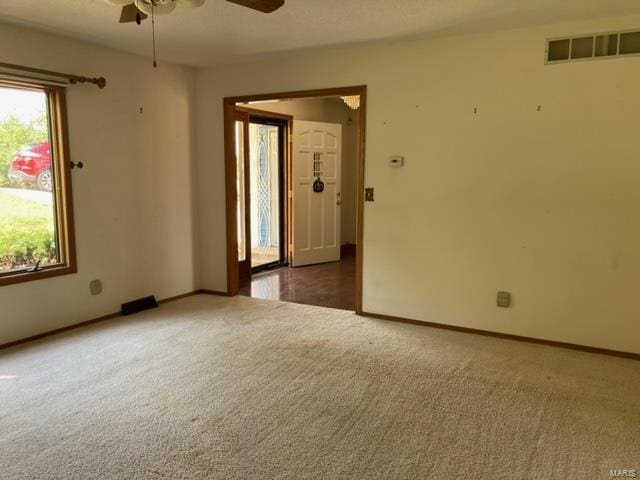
(133,199)
(542,204)
(331,110)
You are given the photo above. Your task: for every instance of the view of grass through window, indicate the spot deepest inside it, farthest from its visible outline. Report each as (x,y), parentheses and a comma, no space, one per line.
(27,207)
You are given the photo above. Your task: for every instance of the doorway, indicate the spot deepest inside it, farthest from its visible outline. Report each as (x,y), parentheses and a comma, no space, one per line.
(285,165)
(261,156)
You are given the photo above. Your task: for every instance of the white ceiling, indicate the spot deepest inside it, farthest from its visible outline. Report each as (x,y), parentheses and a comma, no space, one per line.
(220,32)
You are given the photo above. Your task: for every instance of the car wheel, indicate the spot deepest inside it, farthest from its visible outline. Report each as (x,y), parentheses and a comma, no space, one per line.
(45,180)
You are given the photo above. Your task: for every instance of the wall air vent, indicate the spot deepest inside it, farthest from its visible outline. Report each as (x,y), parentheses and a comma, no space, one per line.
(593,47)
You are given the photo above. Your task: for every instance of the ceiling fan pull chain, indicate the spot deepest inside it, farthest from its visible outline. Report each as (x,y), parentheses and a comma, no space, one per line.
(153,30)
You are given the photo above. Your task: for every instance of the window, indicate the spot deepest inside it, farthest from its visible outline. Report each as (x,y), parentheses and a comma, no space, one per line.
(606,45)
(582,47)
(36,214)
(630,43)
(597,46)
(558,50)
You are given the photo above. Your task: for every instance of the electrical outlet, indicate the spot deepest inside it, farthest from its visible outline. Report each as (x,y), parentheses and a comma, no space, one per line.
(504,299)
(95,286)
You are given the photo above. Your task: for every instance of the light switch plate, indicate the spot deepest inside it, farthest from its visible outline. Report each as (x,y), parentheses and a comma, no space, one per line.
(368,194)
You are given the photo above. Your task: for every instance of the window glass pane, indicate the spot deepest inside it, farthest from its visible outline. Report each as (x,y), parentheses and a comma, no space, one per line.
(559,50)
(630,43)
(606,45)
(27,207)
(582,47)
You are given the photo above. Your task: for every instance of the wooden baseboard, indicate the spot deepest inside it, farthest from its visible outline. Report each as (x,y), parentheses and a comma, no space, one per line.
(214,292)
(506,336)
(111,316)
(348,250)
(178,297)
(474,331)
(59,330)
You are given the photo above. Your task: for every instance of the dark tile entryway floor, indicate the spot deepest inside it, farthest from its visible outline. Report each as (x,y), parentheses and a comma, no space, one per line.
(330,285)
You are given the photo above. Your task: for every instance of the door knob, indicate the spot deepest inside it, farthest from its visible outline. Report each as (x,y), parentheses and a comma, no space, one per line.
(339,202)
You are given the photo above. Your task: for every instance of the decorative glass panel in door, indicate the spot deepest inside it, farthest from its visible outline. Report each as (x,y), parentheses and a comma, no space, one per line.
(265,188)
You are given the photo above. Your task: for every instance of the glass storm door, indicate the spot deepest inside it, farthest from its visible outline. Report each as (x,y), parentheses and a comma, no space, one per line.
(267,187)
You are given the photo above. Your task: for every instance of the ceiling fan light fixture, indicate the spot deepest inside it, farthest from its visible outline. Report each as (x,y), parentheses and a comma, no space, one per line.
(137,10)
(352,101)
(159,7)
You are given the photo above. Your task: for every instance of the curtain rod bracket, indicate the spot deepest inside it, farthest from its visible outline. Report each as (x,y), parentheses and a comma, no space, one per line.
(100,82)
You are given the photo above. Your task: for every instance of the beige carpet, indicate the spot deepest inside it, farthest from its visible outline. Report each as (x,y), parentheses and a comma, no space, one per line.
(239,388)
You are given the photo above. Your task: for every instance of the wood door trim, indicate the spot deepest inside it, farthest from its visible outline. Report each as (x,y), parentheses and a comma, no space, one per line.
(253,112)
(230,106)
(233,273)
(244,117)
(362,91)
(326,92)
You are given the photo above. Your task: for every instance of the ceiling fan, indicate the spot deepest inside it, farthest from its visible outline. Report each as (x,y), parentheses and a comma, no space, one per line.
(138,10)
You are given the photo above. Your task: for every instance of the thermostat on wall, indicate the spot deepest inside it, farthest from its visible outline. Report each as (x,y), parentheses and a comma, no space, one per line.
(396,161)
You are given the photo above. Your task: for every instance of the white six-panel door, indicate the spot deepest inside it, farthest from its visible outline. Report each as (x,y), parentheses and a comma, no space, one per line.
(317,152)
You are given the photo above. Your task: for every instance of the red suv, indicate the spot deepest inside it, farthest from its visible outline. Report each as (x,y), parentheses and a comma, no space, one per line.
(33,165)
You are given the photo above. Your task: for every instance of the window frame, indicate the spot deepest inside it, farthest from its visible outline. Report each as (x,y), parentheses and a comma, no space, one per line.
(62,192)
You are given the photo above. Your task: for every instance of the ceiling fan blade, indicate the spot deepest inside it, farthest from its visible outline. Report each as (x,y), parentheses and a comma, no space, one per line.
(131,14)
(265,6)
